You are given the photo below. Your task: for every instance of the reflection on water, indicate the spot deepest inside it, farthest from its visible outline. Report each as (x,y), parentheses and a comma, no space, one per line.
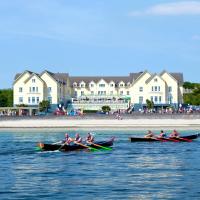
(130,171)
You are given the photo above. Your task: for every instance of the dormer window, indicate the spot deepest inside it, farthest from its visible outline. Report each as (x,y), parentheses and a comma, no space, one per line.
(155,80)
(82,85)
(75,84)
(91,85)
(33,80)
(111,85)
(102,85)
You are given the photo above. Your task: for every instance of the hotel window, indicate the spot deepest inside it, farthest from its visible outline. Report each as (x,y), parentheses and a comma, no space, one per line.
(49,89)
(91,85)
(121,85)
(20,99)
(36,89)
(75,93)
(29,99)
(33,100)
(160,98)
(92,92)
(20,89)
(82,93)
(50,100)
(111,92)
(159,88)
(121,92)
(156,99)
(111,85)
(140,99)
(152,88)
(33,89)
(169,89)
(75,84)
(102,85)
(141,89)
(156,88)
(127,93)
(33,80)
(155,80)
(152,98)
(82,85)
(29,89)
(38,99)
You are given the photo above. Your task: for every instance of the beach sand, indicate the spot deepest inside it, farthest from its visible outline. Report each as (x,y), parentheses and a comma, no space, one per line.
(156,124)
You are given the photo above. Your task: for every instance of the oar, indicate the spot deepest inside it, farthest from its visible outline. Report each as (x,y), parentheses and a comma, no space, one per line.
(106,148)
(91,148)
(161,139)
(185,139)
(173,140)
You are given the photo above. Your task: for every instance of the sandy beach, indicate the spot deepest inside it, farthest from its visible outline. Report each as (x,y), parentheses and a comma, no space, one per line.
(60,123)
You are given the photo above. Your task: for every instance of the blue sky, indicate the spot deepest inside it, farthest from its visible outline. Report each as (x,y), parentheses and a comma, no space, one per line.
(99,37)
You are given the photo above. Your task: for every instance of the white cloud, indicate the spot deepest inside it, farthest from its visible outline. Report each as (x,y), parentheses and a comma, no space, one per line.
(196,37)
(171,9)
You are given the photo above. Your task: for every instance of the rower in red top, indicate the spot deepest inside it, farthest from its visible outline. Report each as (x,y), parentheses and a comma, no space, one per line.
(149,134)
(77,138)
(90,138)
(174,134)
(67,139)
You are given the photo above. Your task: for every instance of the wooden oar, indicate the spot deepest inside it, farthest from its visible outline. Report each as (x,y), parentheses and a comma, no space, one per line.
(185,139)
(91,148)
(172,139)
(106,148)
(160,139)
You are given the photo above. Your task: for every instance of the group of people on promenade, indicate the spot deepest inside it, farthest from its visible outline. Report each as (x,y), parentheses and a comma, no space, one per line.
(173,134)
(78,139)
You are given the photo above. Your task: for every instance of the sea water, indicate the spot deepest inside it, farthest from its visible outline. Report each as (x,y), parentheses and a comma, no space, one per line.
(139,170)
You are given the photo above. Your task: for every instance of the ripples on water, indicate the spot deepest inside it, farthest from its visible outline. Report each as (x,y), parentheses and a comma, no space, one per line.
(159,170)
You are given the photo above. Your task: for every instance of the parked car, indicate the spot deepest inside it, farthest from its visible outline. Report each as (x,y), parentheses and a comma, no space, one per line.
(59,112)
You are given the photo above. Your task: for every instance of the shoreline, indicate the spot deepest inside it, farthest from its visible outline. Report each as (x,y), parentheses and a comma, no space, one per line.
(100,124)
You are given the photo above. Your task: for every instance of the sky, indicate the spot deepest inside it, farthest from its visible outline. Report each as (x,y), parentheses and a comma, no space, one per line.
(99,37)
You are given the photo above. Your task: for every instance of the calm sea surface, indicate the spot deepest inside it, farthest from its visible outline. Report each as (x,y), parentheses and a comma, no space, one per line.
(159,170)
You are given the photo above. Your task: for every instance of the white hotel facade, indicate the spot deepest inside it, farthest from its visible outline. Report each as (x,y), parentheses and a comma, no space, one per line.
(91,93)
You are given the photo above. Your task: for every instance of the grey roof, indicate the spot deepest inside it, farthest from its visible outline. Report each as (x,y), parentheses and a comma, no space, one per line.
(59,77)
(134,76)
(108,79)
(19,74)
(178,77)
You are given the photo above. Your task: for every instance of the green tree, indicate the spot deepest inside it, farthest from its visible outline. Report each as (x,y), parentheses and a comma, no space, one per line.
(44,106)
(106,109)
(150,104)
(6,98)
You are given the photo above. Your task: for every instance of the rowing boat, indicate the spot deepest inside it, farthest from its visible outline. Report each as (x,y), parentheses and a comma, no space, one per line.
(181,139)
(74,147)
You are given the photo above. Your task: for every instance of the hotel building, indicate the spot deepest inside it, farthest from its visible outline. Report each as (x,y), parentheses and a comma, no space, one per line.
(93,92)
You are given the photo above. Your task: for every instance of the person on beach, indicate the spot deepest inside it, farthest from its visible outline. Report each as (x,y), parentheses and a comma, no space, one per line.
(77,138)
(67,139)
(174,134)
(149,134)
(90,138)
(162,134)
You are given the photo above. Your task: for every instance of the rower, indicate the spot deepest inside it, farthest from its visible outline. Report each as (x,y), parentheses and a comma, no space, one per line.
(67,139)
(162,134)
(90,138)
(174,134)
(77,138)
(149,134)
